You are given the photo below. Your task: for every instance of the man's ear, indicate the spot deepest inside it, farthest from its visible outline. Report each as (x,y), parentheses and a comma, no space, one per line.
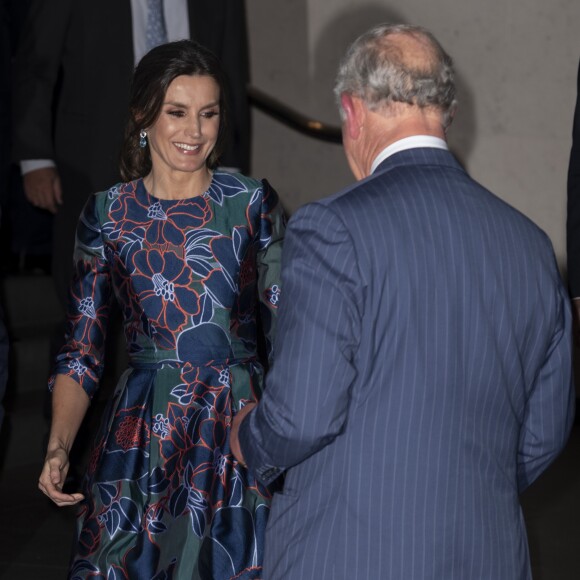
(354,115)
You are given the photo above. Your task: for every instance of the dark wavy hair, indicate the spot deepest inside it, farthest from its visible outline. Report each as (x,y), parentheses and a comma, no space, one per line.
(153,75)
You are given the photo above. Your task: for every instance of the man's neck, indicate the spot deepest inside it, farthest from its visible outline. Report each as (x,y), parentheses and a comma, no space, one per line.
(384,130)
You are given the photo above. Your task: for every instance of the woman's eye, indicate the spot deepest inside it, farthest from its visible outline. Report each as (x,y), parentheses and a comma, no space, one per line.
(209,114)
(176,113)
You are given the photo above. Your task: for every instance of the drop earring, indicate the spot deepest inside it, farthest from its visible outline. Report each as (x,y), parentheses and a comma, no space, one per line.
(143,139)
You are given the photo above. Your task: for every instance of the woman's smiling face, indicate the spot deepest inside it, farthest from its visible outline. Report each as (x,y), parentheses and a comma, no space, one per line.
(186,130)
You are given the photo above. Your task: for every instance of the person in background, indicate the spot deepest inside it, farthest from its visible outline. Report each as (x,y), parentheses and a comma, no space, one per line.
(26,230)
(5,62)
(573,217)
(191,255)
(71,89)
(422,377)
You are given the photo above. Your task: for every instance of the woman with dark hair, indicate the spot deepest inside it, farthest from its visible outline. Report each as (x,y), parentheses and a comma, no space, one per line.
(192,256)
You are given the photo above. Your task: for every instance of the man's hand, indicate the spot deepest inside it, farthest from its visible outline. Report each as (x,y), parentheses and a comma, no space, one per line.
(237,421)
(42,188)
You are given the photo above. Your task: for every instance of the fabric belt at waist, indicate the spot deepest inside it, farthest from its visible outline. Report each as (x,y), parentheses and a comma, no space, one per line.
(157,365)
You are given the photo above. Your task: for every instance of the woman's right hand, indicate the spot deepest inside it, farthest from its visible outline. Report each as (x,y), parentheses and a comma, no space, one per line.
(53,476)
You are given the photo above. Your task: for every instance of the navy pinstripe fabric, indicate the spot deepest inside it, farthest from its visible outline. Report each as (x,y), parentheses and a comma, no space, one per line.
(422,380)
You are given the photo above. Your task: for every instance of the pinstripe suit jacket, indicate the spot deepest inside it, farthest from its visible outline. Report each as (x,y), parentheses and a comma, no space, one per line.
(422,380)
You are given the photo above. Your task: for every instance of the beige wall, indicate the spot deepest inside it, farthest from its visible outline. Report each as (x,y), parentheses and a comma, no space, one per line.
(516,64)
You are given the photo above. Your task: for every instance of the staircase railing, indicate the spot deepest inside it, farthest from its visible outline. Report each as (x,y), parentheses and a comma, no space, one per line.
(292,118)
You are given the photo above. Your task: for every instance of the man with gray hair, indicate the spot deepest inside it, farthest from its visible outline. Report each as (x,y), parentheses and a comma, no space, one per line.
(422,376)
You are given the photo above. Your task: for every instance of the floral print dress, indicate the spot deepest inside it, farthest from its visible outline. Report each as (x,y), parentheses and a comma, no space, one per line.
(195,280)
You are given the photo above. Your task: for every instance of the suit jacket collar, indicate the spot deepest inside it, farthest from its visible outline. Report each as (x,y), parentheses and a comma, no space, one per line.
(418,156)
(411,142)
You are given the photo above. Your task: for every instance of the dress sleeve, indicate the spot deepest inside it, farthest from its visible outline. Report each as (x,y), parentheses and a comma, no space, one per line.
(269,257)
(81,357)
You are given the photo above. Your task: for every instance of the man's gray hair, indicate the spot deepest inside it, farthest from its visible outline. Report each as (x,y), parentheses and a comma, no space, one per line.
(380,73)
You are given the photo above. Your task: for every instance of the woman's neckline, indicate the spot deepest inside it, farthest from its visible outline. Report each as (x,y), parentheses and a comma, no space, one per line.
(141,186)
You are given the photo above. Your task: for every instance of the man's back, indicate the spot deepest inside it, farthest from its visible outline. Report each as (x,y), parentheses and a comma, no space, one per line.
(422,369)
(462,338)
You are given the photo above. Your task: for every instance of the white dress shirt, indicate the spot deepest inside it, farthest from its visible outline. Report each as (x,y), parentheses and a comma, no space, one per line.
(413,142)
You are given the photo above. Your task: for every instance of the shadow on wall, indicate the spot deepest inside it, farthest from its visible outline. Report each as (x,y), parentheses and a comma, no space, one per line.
(348,25)
(279,53)
(463,131)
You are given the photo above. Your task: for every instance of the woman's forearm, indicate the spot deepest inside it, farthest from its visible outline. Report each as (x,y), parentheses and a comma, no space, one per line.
(69,405)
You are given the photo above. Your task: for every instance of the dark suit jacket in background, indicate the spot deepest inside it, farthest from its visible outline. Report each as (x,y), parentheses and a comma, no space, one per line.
(573,219)
(71,94)
(5,72)
(421,381)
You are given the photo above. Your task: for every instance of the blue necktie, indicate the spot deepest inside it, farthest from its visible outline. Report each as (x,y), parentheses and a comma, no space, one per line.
(155,33)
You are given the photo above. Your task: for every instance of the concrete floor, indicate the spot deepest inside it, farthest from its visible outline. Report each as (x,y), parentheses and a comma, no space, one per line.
(35,536)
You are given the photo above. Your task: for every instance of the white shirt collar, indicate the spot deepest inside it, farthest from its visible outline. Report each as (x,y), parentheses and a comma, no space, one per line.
(408,143)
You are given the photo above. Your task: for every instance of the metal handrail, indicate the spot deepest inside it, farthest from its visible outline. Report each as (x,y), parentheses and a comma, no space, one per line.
(292,118)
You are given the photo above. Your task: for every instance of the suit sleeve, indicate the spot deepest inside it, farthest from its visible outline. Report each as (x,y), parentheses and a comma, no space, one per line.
(550,407)
(307,394)
(36,74)
(573,218)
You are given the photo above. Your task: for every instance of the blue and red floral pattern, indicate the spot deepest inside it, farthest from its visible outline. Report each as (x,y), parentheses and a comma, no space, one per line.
(165,497)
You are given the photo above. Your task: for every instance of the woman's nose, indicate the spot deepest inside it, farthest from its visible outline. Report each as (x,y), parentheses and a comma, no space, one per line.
(194,128)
